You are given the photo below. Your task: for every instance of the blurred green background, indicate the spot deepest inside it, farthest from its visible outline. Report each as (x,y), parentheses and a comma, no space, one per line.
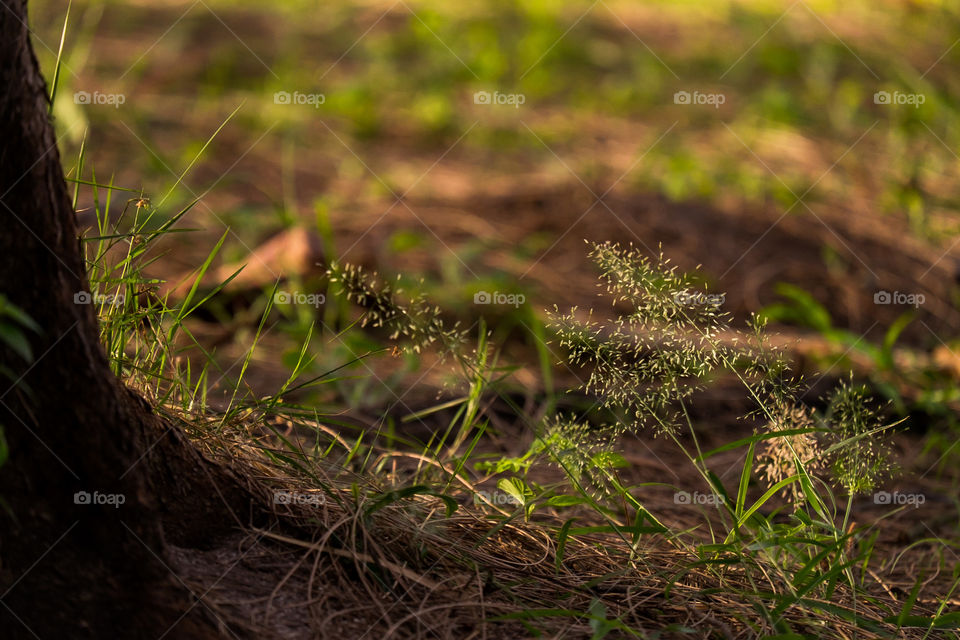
(818,149)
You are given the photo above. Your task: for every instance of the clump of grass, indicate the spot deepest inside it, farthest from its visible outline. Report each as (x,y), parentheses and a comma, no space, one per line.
(861,459)
(414,322)
(796,445)
(587,455)
(663,345)
(669,339)
(650,359)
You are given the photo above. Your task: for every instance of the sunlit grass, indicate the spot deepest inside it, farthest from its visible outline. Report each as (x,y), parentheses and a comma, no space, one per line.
(798,126)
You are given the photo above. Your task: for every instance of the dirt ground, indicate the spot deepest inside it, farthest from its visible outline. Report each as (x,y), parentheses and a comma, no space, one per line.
(513,215)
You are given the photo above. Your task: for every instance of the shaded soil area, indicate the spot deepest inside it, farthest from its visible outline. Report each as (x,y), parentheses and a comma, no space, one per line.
(841,258)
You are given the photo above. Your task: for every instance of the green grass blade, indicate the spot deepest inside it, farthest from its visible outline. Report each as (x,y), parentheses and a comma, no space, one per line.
(55,83)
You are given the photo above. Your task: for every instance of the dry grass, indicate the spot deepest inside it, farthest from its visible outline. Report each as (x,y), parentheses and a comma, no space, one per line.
(411,570)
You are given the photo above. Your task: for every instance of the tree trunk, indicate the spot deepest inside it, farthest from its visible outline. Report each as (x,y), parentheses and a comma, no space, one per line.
(69,569)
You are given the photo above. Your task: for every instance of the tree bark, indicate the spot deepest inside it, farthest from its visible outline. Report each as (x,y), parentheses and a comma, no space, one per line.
(68,569)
